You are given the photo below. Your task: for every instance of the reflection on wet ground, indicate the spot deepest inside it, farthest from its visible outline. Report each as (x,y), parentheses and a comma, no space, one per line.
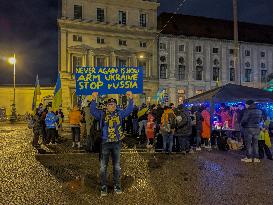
(73,178)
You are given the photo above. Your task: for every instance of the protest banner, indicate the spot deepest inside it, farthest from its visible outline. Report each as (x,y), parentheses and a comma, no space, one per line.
(108,80)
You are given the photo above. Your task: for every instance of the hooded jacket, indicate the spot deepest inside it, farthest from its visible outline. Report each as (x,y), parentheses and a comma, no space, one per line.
(252,117)
(183,126)
(51,120)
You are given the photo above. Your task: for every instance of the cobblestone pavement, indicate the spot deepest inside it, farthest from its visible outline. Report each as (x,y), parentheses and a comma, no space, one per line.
(72,178)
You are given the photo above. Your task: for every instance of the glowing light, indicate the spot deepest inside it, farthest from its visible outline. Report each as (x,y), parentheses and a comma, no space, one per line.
(141,56)
(12,60)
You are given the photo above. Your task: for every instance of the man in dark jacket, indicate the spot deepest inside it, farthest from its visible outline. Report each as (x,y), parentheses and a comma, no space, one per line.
(251,124)
(183,128)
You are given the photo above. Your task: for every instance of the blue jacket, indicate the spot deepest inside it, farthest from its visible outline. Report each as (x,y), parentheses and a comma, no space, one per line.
(111,129)
(50,120)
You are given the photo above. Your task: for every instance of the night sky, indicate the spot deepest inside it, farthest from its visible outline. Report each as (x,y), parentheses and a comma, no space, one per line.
(29,28)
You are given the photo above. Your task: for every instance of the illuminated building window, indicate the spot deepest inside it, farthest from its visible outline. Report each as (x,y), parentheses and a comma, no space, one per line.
(100,15)
(77,38)
(77,12)
(248,73)
(143,20)
(76,62)
(122,17)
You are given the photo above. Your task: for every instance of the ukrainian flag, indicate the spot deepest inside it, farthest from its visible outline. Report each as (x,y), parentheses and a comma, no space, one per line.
(57,100)
(37,92)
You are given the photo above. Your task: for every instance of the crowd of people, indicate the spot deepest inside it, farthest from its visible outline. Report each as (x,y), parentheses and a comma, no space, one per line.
(167,128)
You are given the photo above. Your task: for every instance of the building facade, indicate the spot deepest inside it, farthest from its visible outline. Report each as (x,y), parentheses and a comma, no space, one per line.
(24,97)
(107,33)
(193,62)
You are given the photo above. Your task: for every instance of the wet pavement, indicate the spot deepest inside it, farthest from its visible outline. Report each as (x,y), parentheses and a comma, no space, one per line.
(73,178)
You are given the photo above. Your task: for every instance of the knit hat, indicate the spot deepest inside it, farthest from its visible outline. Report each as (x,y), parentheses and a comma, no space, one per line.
(249,102)
(112,100)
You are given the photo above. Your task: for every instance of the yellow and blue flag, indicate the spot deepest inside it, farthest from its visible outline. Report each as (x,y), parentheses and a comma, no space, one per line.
(57,99)
(37,92)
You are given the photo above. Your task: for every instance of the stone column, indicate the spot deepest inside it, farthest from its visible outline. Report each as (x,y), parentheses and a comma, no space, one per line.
(113,59)
(91,60)
(172,60)
(224,66)
(69,63)
(172,95)
(149,68)
(63,51)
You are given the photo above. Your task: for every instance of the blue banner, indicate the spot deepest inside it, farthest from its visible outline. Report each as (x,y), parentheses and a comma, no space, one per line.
(108,80)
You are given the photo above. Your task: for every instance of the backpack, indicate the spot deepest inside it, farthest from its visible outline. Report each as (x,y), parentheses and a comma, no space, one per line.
(182,120)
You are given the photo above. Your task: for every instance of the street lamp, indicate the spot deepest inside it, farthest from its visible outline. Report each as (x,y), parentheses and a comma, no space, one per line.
(12,61)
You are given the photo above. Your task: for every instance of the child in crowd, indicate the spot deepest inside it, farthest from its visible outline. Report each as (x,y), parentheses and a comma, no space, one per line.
(264,143)
(150,132)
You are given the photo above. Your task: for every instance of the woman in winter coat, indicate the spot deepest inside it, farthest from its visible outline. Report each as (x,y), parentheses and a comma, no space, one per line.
(206,127)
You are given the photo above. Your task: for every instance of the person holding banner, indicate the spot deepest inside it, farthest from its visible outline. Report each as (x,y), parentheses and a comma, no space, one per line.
(111,125)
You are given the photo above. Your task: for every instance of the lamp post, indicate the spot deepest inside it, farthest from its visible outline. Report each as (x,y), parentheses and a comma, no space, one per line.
(13,117)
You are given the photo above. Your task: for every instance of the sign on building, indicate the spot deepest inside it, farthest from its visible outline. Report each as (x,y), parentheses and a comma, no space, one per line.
(108,80)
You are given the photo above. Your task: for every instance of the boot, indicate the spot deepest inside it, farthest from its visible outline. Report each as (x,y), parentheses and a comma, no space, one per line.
(79,144)
(73,144)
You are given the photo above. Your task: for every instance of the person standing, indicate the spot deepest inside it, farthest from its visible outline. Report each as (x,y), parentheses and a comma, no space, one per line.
(75,118)
(183,128)
(89,120)
(37,128)
(251,124)
(206,127)
(51,123)
(112,134)
(167,128)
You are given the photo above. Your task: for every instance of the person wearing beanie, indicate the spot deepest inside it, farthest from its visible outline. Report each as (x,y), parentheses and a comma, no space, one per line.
(111,136)
(251,125)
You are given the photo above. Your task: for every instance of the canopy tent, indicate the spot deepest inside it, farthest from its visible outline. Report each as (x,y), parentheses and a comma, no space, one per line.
(232,93)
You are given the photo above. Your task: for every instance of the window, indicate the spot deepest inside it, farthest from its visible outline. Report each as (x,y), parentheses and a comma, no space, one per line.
(199,61)
(122,43)
(162,46)
(262,54)
(143,20)
(142,44)
(181,48)
(231,63)
(263,76)
(263,65)
(143,65)
(247,75)
(100,15)
(231,74)
(100,61)
(77,38)
(162,59)
(247,64)
(121,62)
(198,92)
(77,12)
(216,62)
(215,50)
(247,52)
(163,71)
(122,17)
(199,73)
(198,49)
(231,51)
(216,74)
(181,60)
(77,61)
(100,40)
(181,72)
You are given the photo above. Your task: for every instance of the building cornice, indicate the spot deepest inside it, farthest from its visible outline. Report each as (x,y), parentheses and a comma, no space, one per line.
(210,39)
(89,25)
